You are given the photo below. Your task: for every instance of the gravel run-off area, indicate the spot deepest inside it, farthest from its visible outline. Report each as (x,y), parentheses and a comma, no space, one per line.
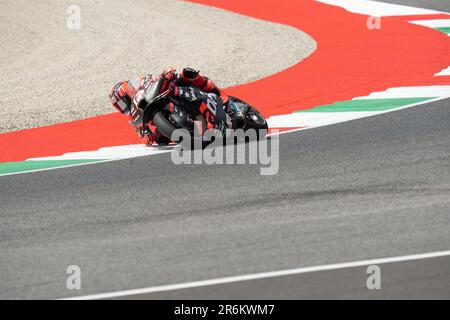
(53,74)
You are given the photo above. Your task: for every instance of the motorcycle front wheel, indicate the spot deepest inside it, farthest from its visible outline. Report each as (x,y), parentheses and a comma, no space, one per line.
(166,128)
(163,125)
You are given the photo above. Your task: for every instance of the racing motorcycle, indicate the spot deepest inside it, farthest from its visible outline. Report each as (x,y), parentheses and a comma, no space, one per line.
(168,113)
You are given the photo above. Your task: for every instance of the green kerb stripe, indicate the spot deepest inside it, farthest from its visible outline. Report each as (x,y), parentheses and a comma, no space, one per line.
(444,29)
(366,105)
(22,166)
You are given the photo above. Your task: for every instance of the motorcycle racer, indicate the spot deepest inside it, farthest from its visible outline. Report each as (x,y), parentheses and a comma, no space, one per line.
(126,93)
(191,77)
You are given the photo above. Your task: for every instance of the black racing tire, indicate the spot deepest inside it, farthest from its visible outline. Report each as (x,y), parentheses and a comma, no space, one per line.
(163,125)
(166,129)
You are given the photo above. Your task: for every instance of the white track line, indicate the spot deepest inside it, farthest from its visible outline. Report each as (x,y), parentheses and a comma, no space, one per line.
(410,92)
(445,72)
(378,9)
(263,275)
(433,23)
(116,152)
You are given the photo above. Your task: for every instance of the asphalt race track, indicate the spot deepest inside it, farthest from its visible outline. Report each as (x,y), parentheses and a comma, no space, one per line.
(370,188)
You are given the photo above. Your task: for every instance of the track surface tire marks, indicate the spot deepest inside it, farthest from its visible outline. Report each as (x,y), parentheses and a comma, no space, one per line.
(339,196)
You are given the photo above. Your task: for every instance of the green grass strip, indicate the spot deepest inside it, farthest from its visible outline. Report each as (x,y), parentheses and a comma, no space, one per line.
(366,105)
(23,166)
(445,30)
